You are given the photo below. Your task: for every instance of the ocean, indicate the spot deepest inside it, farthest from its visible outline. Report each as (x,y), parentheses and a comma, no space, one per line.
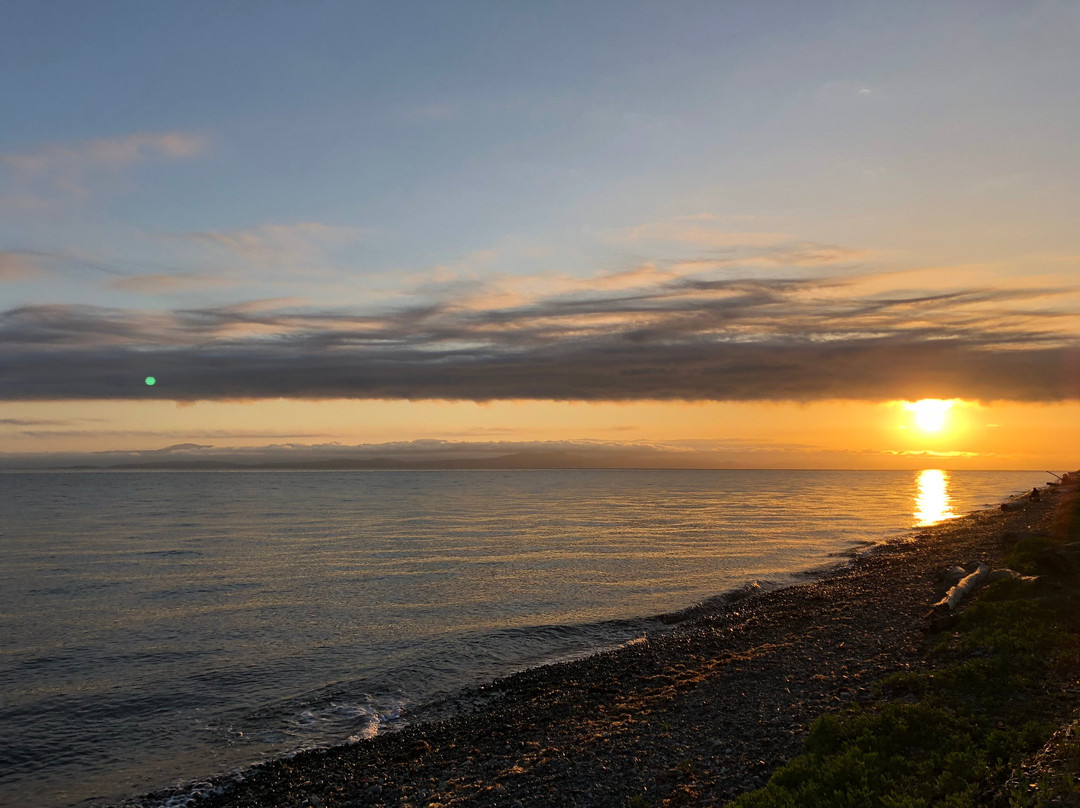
(161,627)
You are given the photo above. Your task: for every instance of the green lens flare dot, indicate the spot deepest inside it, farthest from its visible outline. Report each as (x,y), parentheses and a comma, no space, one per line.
(150,381)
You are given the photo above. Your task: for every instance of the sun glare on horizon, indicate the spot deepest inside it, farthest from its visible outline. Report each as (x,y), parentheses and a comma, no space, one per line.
(930,413)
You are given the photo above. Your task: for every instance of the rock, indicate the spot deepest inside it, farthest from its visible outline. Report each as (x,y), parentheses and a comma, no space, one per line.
(1007,574)
(954,575)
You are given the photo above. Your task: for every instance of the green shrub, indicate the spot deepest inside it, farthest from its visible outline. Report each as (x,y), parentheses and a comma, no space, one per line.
(947,736)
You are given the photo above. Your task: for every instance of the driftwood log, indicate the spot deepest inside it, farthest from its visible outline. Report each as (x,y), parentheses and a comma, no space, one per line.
(942,615)
(965,587)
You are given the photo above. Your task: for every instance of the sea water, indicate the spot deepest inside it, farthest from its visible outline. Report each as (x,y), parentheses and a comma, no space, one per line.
(158,627)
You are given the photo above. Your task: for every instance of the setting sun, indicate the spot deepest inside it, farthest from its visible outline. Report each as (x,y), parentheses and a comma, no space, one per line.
(930,413)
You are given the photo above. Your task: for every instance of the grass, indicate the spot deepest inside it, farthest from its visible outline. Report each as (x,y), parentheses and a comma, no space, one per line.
(990,697)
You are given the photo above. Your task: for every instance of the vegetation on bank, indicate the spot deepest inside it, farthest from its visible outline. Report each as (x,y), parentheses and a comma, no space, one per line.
(992,694)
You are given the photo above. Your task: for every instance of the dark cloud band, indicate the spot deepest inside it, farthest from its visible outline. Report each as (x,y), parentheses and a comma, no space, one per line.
(614,371)
(721,340)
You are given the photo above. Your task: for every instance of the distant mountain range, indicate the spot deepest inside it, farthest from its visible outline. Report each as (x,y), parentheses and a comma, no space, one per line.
(517,460)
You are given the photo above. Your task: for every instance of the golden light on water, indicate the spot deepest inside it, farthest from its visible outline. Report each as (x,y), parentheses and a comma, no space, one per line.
(930,413)
(932,502)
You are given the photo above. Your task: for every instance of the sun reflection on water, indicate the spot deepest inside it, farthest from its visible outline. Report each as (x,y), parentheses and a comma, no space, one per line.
(932,502)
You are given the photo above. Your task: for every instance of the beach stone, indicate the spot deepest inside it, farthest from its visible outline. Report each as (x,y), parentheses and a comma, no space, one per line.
(703,711)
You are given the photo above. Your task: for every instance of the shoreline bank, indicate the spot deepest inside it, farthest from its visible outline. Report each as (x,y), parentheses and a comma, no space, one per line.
(695,716)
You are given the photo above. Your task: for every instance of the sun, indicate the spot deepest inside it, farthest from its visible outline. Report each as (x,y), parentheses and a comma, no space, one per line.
(930,413)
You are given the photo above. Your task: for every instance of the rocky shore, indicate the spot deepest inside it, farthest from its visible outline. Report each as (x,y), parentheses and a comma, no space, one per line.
(694,717)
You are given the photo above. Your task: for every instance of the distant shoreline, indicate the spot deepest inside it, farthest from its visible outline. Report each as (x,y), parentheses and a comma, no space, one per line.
(698,715)
(478,465)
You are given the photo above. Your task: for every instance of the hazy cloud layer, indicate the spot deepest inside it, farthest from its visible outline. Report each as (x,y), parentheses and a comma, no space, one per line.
(164,434)
(123,150)
(16,266)
(22,422)
(164,283)
(704,454)
(436,453)
(53,171)
(671,337)
(301,247)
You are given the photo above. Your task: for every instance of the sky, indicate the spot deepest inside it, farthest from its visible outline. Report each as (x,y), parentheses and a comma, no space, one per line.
(715,233)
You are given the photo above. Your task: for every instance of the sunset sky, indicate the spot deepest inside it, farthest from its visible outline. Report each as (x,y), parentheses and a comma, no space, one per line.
(715,233)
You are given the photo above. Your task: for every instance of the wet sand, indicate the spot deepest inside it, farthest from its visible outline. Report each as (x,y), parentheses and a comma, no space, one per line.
(694,717)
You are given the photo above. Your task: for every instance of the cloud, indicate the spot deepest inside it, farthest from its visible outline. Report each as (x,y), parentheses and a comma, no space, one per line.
(930,454)
(166,283)
(748,248)
(438,453)
(163,434)
(282,245)
(16,266)
(704,454)
(30,422)
(62,170)
(234,257)
(120,151)
(696,230)
(670,337)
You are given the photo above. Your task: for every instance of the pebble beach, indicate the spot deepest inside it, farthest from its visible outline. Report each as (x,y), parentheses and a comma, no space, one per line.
(696,716)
